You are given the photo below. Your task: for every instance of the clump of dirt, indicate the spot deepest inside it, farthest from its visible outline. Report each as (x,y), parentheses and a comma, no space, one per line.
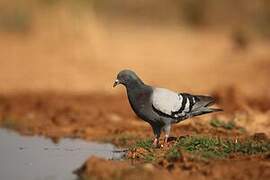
(97,168)
(174,162)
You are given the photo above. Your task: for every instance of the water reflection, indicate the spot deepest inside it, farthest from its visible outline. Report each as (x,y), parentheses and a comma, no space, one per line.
(38,158)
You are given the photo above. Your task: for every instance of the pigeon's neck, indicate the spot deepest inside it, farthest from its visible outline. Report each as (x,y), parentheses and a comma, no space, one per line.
(136,85)
(138,89)
(139,98)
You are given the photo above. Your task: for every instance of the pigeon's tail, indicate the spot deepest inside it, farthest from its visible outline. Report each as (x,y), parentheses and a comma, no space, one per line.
(205,100)
(204,110)
(202,106)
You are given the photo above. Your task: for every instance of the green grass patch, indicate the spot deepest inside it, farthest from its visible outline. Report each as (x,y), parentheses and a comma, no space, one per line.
(145,144)
(173,153)
(150,157)
(230,125)
(212,147)
(221,124)
(204,147)
(144,150)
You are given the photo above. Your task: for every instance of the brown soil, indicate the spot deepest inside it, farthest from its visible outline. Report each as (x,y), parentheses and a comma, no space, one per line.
(225,169)
(98,117)
(84,116)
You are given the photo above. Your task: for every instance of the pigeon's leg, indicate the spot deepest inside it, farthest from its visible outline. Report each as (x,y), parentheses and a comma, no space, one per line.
(155,142)
(167,129)
(157,131)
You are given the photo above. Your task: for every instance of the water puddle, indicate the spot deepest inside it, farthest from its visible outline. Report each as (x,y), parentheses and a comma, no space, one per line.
(38,158)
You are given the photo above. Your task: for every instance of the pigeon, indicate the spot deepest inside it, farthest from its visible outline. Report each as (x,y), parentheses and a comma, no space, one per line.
(162,107)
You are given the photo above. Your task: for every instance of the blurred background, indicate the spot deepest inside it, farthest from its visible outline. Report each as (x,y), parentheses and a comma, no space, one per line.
(59,59)
(78,46)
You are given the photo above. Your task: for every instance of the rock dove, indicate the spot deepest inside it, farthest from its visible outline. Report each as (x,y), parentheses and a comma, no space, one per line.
(161,107)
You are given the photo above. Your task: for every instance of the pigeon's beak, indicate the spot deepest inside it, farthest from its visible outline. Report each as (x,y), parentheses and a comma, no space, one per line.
(116,82)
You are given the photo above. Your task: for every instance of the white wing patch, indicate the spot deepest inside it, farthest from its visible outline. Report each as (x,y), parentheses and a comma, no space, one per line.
(187,106)
(166,101)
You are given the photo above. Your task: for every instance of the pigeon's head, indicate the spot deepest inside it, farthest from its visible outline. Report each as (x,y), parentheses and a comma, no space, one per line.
(127,78)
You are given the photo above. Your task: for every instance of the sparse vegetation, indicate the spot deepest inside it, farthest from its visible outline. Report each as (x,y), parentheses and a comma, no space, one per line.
(173,153)
(143,150)
(201,146)
(150,157)
(229,125)
(212,147)
(146,144)
(221,124)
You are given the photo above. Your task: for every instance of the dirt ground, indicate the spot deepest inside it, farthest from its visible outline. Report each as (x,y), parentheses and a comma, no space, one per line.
(98,117)
(226,169)
(56,81)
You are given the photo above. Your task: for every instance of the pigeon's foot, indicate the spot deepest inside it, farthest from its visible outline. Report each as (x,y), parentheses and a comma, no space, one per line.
(165,143)
(166,139)
(155,143)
